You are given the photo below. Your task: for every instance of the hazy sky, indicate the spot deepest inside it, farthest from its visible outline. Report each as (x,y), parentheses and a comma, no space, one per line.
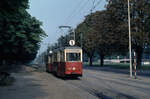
(54,13)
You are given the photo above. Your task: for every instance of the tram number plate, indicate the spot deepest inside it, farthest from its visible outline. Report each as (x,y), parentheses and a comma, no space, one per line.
(73,73)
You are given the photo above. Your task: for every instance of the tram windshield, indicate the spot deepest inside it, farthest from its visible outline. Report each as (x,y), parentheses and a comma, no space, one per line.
(73,56)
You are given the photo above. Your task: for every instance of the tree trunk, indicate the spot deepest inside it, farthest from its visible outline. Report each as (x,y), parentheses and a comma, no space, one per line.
(90,61)
(139,52)
(102,59)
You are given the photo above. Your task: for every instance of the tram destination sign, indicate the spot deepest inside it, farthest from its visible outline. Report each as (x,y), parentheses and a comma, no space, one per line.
(73,50)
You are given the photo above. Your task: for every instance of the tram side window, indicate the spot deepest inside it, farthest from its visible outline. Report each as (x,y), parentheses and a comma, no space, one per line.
(58,56)
(55,57)
(73,57)
(49,59)
(61,56)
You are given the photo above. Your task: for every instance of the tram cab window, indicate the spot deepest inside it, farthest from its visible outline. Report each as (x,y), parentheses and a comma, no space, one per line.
(73,56)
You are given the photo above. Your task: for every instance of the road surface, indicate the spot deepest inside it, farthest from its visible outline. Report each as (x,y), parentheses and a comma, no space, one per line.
(96,83)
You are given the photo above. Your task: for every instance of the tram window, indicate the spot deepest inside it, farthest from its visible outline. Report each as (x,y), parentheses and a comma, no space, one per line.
(61,56)
(55,57)
(73,57)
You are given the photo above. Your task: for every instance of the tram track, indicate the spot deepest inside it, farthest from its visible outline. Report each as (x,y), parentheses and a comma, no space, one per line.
(109,86)
(90,84)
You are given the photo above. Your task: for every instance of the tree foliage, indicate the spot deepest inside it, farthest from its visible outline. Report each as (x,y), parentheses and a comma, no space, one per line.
(109,28)
(88,44)
(99,35)
(140,20)
(20,33)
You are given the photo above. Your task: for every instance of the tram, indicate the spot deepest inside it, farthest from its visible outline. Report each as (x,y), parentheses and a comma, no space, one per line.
(65,61)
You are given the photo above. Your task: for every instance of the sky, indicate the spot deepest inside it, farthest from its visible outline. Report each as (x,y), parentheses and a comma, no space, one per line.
(54,13)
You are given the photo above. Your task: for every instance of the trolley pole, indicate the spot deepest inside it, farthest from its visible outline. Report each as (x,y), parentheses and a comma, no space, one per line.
(74,35)
(81,37)
(130,50)
(135,65)
(69,27)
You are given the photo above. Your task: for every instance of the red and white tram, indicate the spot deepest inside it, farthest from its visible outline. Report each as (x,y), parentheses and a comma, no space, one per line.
(65,61)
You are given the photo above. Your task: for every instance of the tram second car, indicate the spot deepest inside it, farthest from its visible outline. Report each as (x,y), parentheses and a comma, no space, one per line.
(65,61)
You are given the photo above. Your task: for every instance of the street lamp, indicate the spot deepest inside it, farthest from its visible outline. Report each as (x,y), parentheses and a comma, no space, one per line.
(130,50)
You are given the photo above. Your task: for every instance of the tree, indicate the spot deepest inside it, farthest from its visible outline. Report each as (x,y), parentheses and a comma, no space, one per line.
(140,20)
(88,41)
(19,32)
(104,39)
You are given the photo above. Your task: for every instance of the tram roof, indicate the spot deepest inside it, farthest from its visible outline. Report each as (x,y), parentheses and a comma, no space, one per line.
(68,47)
(72,47)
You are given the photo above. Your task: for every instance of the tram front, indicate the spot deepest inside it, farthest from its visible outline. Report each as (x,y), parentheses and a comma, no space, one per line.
(73,61)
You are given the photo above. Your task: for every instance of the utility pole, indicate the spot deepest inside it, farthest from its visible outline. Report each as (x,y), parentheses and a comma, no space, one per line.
(130,47)
(135,65)
(81,37)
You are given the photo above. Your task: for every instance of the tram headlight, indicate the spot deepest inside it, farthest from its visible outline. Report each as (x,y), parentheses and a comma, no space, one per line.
(73,68)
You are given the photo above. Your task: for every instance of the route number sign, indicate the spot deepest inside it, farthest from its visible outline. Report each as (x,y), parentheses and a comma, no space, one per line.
(71,42)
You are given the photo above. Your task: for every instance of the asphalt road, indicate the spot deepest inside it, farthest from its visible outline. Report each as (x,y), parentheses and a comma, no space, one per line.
(96,83)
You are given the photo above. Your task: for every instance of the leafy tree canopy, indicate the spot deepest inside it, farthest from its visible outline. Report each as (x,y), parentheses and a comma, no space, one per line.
(20,33)
(140,20)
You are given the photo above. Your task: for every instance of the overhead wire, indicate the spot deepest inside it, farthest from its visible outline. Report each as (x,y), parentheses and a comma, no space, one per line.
(95,5)
(74,10)
(100,7)
(79,9)
(93,1)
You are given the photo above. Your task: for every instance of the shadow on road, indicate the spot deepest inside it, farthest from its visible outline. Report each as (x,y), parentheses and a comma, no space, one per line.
(102,95)
(65,78)
(122,71)
(106,94)
(71,78)
(25,87)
